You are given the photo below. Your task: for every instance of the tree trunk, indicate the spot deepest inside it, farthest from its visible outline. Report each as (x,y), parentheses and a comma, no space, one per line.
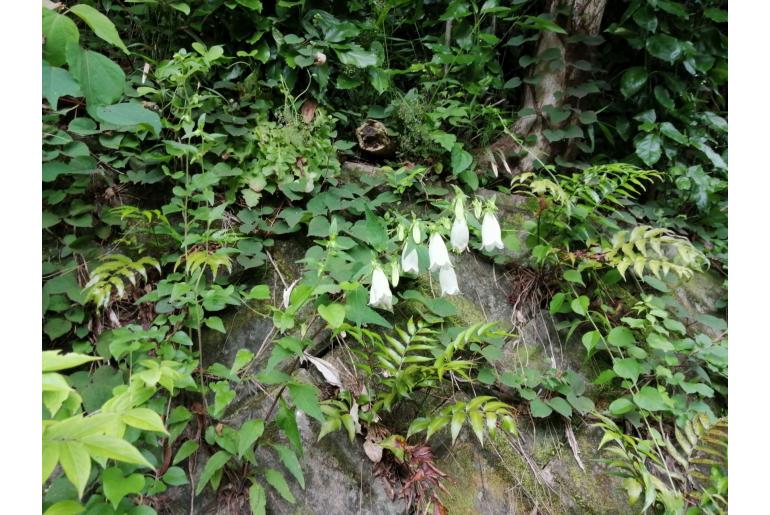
(554,77)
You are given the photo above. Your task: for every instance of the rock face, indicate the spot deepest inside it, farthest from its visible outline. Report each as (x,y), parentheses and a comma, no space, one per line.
(535,472)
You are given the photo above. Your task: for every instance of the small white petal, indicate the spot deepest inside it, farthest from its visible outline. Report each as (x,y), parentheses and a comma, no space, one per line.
(460,235)
(379,294)
(410,262)
(491,238)
(448,281)
(439,256)
(287,294)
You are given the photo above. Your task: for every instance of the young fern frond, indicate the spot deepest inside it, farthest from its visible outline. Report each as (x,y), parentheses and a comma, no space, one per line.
(482,412)
(699,446)
(655,249)
(607,186)
(196,260)
(109,277)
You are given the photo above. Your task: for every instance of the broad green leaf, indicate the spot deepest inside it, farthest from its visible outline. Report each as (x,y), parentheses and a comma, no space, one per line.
(633,80)
(560,406)
(357,57)
(580,305)
(539,409)
(278,482)
(128,115)
(57,82)
(333,313)
(143,418)
(664,47)
(621,337)
(100,24)
(58,31)
(214,464)
(446,140)
(76,463)
(116,487)
(573,276)
(648,148)
(50,458)
(101,80)
(461,159)
(216,324)
(242,358)
(249,433)
(651,399)
(185,450)
(458,418)
(621,406)
(175,476)
(668,130)
(257,499)
(254,5)
(54,361)
(68,507)
(627,368)
(114,448)
(305,397)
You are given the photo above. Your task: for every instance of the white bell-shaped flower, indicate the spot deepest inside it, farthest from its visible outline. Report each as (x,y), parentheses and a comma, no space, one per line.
(459,236)
(437,252)
(410,263)
(379,294)
(448,281)
(490,234)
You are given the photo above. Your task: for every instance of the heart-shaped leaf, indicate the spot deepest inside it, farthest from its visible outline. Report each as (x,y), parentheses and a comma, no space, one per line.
(116,486)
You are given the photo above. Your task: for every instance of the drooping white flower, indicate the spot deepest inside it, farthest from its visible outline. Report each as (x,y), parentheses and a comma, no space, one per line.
(287,294)
(490,233)
(379,294)
(437,252)
(459,236)
(448,280)
(410,262)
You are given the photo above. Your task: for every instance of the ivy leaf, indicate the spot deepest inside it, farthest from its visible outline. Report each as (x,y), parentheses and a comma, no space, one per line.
(100,24)
(59,31)
(305,397)
(333,313)
(633,80)
(648,149)
(278,482)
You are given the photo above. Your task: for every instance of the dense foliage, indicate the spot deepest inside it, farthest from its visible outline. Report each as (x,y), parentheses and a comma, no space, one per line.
(183,141)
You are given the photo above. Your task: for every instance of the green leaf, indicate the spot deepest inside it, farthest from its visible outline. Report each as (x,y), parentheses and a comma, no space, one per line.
(216,462)
(54,361)
(621,337)
(128,115)
(539,409)
(580,305)
(668,130)
(76,463)
(461,159)
(333,313)
(664,47)
(446,140)
(103,446)
(59,31)
(633,80)
(438,306)
(621,406)
(357,57)
(539,23)
(560,405)
(143,418)
(627,368)
(100,24)
(216,324)
(242,358)
(57,82)
(116,487)
(175,476)
(259,292)
(651,399)
(254,5)
(290,461)
(101,80)
(573,276)
(68,507)
(56,327)
(278,482)
(249,433)
(305,397)
(657,341)
(257,499)
(185,450)
(648,149)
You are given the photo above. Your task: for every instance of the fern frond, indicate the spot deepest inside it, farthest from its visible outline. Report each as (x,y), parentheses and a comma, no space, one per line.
(108,278)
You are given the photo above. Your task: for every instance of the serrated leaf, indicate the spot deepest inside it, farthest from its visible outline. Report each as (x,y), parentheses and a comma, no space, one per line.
(277,481)
(214,463)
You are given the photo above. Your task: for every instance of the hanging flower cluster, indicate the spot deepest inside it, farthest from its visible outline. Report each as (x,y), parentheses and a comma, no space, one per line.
(380,295)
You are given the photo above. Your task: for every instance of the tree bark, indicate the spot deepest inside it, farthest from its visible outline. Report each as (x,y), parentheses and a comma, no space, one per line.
(554,78)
